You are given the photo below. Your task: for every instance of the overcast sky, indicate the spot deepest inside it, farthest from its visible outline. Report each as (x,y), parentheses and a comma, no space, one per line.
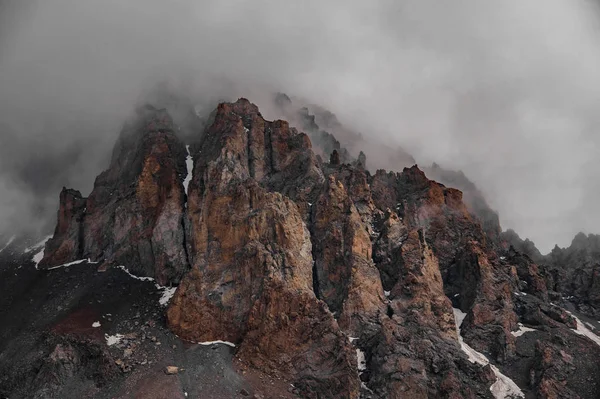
(507,91)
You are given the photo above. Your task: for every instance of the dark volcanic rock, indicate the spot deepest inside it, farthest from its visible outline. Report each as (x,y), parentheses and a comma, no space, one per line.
(574,273)
(134,215)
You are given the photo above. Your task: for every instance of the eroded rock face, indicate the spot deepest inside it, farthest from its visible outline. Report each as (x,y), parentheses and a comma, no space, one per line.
(409,360)
(267,221)
(348,281)
(134,215)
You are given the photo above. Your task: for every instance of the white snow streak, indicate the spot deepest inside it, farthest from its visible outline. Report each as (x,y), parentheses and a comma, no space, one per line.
(96,324)
(10,240)
(583,330)
(217,342)
(504,387)
(522,330)
(37,245)
(134,276)
(361,361)
(189,162)
(167,292)
(75,262)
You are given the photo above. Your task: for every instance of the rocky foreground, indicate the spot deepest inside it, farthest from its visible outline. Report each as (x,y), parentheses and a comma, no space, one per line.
(311,278)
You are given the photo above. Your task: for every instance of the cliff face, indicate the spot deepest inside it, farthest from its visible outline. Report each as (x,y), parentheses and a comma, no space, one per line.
(134,214)
(339,281)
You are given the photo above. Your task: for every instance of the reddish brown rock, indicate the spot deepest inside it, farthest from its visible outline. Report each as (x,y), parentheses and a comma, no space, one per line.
(408,360)
(347,279)
(491,315)
(419,290)
(252,277)
(472,274)
(65,246)
(134,215)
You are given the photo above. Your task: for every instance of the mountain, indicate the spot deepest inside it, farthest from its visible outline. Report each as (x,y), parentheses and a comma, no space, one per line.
(298,273)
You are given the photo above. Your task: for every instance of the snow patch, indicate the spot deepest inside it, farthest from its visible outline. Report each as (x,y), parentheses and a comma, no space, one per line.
(522,330)
(75,262)
(37,258)
(217,342)
(167,295)
(113,339)
(504,387)
(37,245)
(583,330)
(189,163)
(10,240)
(386,293)
(96,324)
(362,362)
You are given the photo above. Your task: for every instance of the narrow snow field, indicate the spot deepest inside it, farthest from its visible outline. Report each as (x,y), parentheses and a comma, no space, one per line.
(361,361)
(522,330)
(583,330)
(189,163)
(217,342)
(167,292)
(10,240)
(37,245)
(75,262)
(504,387)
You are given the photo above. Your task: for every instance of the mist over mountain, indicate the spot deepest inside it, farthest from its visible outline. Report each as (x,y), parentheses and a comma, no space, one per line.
(505,92)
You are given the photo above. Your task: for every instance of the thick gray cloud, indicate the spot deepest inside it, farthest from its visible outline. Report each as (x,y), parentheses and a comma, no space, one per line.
(505,90)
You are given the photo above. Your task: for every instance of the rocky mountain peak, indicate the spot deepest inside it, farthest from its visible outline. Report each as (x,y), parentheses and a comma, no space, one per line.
(341,282)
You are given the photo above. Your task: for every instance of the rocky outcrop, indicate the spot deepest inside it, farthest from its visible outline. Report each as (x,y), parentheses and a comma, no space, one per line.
(473,198)
(347,279)
(409,360)
(134,215)
(510,238)
(252,277)
(66,244)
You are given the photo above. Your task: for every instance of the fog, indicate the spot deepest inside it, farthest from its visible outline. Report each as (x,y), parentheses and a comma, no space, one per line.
(505,91)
